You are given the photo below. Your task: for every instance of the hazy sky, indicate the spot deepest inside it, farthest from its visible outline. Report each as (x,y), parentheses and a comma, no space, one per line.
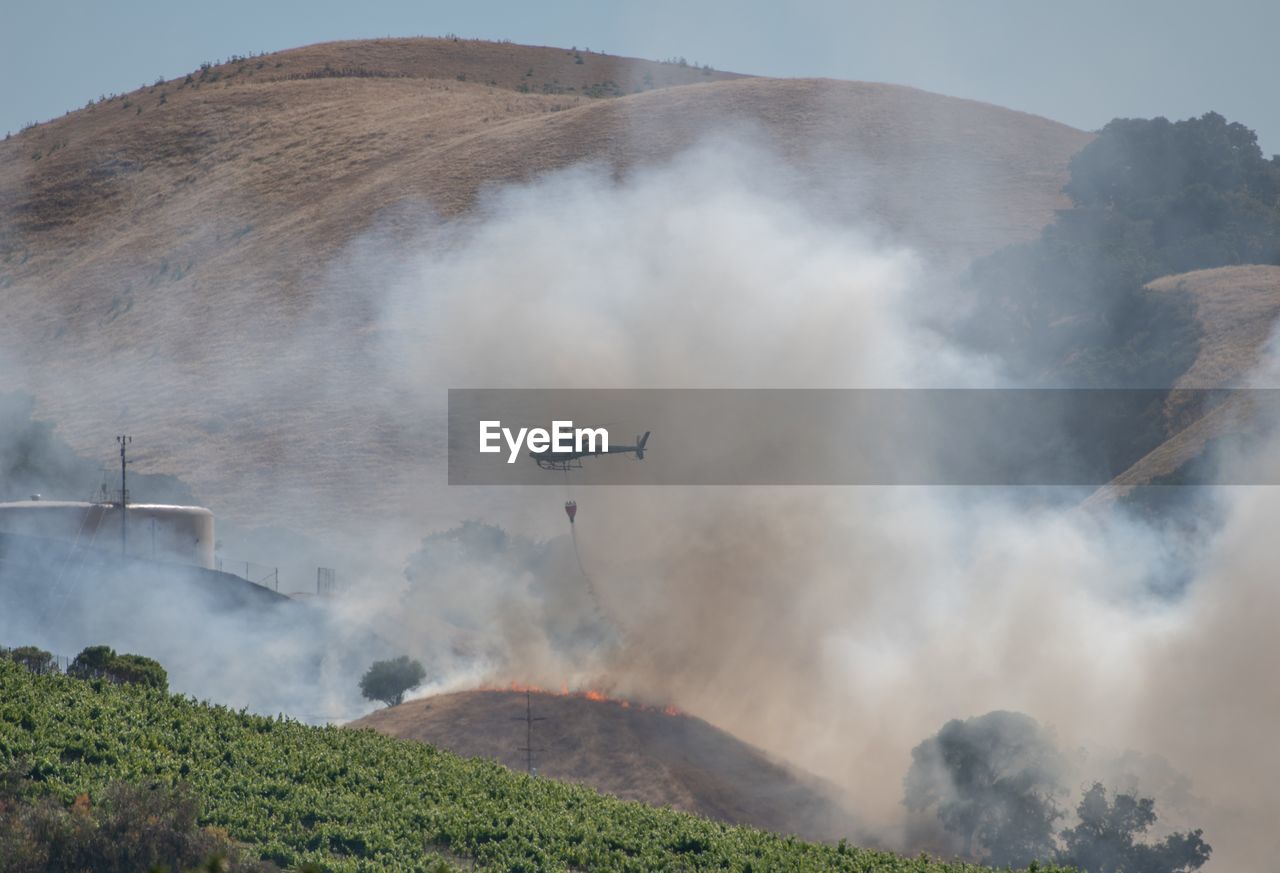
(1082,62)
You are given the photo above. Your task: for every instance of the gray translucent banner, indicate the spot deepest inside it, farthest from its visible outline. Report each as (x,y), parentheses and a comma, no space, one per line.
(1078,437)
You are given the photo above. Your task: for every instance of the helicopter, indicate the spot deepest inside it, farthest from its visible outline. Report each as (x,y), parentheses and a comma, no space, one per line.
(550,460)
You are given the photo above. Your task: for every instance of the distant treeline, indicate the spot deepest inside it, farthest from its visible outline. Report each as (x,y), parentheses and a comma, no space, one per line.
(93,662)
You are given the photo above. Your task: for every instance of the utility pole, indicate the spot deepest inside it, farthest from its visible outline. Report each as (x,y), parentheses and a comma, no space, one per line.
(528,718)
(124,496)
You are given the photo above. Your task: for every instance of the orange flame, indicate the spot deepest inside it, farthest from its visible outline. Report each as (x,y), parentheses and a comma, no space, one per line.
(591,694)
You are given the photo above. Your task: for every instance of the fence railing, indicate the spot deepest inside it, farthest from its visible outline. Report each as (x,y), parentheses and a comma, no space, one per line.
(258,574)
(327,584)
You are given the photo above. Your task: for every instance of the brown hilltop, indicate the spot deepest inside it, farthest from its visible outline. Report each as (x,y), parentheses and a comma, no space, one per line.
(631,752)
(182,230)
(279,127)
(522,68)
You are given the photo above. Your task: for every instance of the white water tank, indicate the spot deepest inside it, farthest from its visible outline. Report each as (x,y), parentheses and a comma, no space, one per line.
(178,534)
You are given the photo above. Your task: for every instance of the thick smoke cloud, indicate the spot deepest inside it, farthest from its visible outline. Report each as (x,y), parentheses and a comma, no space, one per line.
(838,626)
(835,627)
(703,273)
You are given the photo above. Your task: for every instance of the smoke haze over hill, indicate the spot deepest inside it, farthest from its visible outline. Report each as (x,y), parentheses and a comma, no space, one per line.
(841,625)
(834,627)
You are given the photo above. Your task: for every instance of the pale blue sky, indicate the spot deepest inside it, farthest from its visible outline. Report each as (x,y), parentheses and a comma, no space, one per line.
(1082,63)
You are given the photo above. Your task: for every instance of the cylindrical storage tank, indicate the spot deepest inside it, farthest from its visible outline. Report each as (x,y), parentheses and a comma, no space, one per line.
(178,534)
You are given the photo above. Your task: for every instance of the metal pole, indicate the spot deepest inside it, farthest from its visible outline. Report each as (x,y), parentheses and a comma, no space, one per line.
(528,720)
(124,441)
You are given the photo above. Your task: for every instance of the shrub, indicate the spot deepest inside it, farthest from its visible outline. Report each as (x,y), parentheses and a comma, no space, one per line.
(131,828)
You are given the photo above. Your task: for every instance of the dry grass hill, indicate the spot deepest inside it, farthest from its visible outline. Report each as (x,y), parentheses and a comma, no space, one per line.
(158,249)
(628,751)
(1237,308)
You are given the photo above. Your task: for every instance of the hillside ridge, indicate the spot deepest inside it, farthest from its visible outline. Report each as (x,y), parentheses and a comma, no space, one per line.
(626,750)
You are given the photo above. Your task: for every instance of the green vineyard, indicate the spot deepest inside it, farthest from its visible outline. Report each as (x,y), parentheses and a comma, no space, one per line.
(353,800)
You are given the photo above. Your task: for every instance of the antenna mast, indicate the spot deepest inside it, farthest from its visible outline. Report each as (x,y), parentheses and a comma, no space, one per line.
(124,441)
(529,718)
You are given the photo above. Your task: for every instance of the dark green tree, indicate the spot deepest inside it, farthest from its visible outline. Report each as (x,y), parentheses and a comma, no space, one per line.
(92,661)
(35,659)
(139,670)
(387,681)
(993,781)
(95,661)
(1106,838)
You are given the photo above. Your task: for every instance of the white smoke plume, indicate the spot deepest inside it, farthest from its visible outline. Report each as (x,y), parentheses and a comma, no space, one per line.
(836,627)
